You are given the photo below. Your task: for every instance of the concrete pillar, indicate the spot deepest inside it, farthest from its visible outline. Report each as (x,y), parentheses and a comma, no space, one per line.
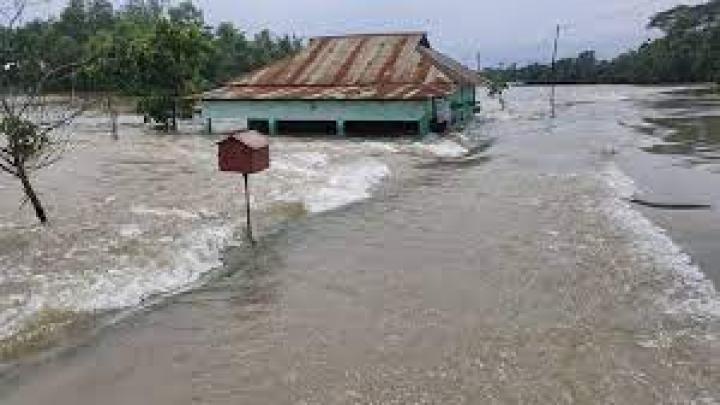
(341,127)
(272,126)
(423,126)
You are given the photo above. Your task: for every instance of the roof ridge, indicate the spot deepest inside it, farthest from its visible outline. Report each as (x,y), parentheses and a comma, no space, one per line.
(355,62)
(372,34)
(451,67)
(232,84)
(410,91)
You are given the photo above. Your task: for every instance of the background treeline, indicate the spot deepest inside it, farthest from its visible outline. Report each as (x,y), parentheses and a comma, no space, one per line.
(84,27)
(688,51)
(154,49)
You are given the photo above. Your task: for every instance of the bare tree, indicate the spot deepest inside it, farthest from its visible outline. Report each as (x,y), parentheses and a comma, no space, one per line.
(30,120)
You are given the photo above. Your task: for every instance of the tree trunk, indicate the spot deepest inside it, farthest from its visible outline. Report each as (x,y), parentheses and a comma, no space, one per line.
(32,196)
(113,118)
(115,126)
(174,115)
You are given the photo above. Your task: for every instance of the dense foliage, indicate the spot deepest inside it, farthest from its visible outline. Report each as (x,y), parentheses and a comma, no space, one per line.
(145,48)
(687,51)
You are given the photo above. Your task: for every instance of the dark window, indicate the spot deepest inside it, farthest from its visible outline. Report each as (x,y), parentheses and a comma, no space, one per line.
(381,128)
(262,126)
(307,127)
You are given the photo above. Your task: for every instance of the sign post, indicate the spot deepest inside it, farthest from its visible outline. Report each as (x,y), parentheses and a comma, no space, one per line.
(246,153)
(247,207)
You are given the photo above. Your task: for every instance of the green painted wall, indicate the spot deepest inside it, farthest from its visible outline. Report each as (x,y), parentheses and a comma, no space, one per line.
(321,110)
(462,103)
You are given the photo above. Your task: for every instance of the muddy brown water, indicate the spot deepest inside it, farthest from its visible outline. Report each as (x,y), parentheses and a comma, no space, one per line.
(517,274)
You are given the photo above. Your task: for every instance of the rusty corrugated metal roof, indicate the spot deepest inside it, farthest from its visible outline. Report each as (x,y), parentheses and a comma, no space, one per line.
(452,68)
(364,66)
(378,92)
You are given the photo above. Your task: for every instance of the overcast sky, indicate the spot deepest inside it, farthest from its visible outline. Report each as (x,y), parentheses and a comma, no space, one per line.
(503,31)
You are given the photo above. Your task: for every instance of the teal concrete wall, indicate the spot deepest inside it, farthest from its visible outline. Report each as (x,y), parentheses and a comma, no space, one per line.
(322,110)
(462,103)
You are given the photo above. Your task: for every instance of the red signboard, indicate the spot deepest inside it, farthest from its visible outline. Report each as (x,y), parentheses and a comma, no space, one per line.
(246,152)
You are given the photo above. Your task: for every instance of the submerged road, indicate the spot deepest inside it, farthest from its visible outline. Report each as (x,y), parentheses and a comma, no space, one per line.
(519,276)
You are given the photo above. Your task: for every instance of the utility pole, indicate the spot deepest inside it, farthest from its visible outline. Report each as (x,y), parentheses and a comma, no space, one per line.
(479,63)
(73,77)
(247,210)
(113,117)
(554,76)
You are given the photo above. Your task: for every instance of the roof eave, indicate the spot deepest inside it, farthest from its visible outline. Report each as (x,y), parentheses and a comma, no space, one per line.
(424,98)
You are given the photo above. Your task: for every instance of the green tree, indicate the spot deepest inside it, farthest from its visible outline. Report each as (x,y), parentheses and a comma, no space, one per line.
(29,138)
(687,51)
(145,48)
(100,15)
(168,65)
(186,13)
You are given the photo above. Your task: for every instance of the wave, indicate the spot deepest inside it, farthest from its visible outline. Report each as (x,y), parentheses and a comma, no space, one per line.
(153,251)
(691,292)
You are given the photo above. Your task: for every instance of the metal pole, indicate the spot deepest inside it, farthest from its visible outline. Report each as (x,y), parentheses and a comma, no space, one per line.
(247,207)
(113,118)
(72,89)
(554,76)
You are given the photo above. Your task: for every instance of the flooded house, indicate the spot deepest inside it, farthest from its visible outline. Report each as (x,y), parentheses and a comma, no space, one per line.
(361,84)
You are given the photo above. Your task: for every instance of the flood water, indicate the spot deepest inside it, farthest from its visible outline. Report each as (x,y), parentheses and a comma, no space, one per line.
(511,269)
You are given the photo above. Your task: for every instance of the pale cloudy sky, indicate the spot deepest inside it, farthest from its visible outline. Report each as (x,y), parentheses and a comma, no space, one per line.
(501,30)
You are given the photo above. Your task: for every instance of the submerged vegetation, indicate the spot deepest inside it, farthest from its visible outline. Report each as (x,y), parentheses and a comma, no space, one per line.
(30,139)
(687,51)
(143,48)
(159,54)
(496,87)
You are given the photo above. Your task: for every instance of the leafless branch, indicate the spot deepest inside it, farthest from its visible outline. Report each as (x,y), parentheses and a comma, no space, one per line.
(65,120)
(59,72)
(8,169)
(55,73)
(7,106)
(51,153)
(29,118)
(46,161)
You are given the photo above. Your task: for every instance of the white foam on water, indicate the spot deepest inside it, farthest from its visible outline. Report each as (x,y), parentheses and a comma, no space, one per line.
(381,146)
(499,115)
(691,293)
(163,212)
(322,183)
(179,266)
(349,183)
(8,225)
(164,250)
(130,231)
(491,109)
(175,269)
(445,148)
(304,163)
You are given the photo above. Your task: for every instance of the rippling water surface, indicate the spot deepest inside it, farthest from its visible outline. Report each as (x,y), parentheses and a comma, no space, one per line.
(508,269)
